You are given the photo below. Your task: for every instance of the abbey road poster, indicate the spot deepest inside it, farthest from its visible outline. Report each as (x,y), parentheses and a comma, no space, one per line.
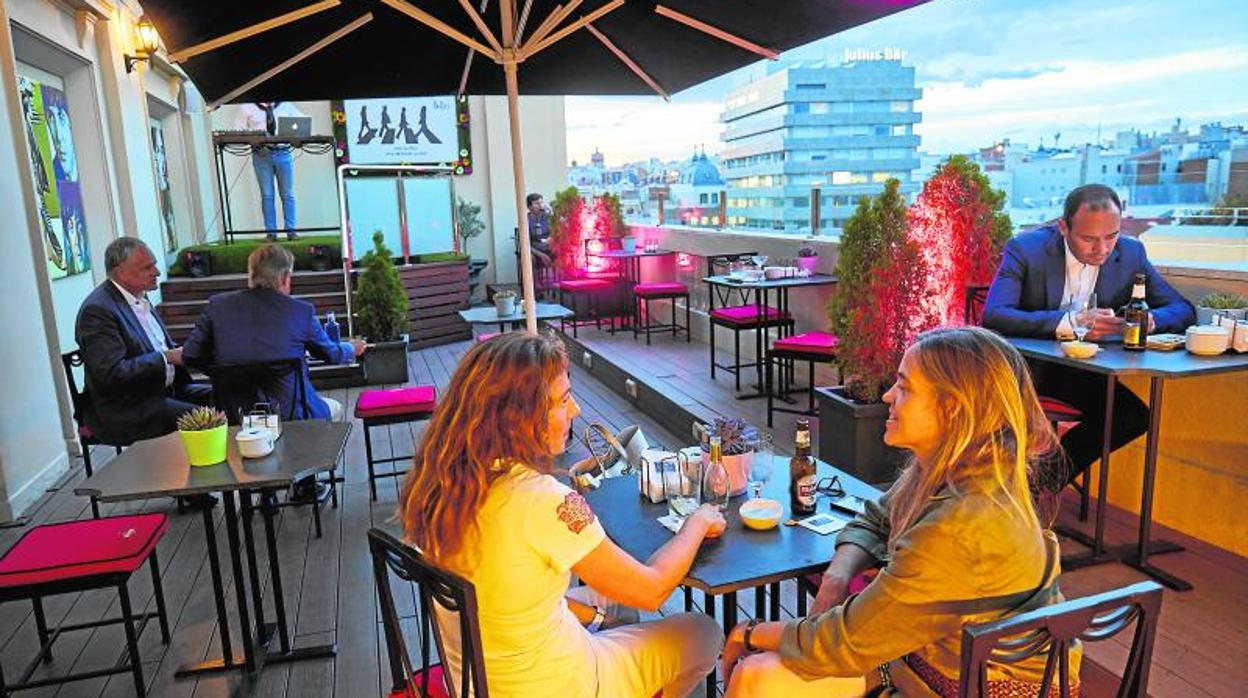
(403,130)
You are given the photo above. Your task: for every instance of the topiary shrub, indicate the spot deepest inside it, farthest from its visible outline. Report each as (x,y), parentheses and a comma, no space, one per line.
(379,302)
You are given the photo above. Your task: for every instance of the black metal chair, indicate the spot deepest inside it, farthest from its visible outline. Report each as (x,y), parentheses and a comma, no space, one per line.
(1053,629)
(450,592)
(237,387)
(81,403)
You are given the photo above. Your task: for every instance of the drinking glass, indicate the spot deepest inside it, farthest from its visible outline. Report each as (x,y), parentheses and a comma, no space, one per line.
(759,260)
(1082,314)
(761,463)
(682,485)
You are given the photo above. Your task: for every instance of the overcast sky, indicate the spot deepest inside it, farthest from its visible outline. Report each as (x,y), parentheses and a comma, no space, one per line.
(990,69)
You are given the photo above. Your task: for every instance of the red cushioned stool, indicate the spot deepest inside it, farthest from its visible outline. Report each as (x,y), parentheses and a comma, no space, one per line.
(80,556)
(669,291)
(738,318)
(812,347)
(378,408)
(591,289)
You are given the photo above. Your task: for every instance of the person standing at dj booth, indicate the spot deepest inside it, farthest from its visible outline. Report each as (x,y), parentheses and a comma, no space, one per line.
(271,163)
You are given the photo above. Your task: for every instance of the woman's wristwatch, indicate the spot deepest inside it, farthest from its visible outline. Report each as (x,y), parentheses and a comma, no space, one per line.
(596,624)
(749,630)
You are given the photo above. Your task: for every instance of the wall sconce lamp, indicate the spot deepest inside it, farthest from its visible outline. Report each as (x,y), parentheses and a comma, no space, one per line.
(149,42)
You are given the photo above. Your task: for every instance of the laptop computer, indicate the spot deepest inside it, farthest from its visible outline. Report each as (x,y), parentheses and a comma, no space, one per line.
(294,126)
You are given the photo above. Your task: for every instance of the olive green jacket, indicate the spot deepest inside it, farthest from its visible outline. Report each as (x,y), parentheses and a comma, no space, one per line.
(965,560)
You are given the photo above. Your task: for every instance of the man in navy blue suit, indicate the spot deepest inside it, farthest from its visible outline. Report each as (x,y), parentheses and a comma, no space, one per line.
(1045,269)
(264,323)
(135,383)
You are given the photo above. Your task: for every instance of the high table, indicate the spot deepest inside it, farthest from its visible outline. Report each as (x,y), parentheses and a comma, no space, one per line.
(762,289)
(631,263)
(488,315)
(1113,362)
(740,559)
(158,468)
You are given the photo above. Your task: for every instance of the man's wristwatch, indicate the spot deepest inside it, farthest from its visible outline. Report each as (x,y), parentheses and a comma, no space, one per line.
(749,630)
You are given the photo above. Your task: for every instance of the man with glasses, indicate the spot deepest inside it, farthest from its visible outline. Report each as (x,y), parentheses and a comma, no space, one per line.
(1043,270)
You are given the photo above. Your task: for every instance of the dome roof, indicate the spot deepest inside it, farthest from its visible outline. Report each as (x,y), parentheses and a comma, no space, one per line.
(701,172)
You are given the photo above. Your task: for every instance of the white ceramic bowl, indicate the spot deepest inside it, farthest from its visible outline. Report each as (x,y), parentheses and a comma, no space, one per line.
(254,442)
(1080,350)
(761,514)
(752,274)
(775,272)
(1207,340)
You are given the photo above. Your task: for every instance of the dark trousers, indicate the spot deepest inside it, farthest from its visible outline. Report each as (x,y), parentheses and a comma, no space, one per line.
(183,398)
(1086,391)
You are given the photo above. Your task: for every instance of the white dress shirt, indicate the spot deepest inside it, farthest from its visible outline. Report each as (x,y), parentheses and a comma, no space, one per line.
(155,333)
(1080,283)
(250,117)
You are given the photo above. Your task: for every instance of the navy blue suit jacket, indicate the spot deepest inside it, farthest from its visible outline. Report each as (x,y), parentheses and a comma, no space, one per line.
(125,374)
(1025,299)
(260,324)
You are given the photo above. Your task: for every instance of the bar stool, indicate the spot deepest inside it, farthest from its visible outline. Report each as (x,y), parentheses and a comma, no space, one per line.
(78,556)
(591,290)
(812,347)
(738,318)
(669,291)
(377,408)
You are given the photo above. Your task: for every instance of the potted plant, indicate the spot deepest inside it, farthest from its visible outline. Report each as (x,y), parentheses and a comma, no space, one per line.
(468,225)
(505,302)
(204,431)
(734,435)
(381,315)
(808,259)
(1225,304)
(876,312)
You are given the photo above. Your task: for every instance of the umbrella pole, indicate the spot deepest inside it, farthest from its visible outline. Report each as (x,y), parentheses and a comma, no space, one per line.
(522,218)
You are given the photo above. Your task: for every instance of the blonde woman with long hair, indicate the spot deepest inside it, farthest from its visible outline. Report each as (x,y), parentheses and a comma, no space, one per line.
(957,536)
(480,501)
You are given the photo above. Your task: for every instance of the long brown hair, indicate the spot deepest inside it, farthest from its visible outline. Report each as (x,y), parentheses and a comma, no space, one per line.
(493,415)
(993,424)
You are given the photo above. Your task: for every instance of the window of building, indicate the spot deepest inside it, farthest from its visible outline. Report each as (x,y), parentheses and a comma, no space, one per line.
(879,177)
(811,86)
(801,202)
(841,177)
(801,107)
(882,130)
(842,107)
(899,107)
(901,130)
(819,108)
(702,198)
(818,157)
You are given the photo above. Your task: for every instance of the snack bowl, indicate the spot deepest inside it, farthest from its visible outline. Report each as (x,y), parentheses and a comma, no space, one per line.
(775,272)
(761,514)
(752,274)
(1207,340)
(1080,350)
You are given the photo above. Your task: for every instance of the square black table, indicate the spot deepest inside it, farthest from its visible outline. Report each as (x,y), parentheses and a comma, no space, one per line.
(1113,361)
(740,559)
(158,468)
(762,289)
(488,315)
(631,262)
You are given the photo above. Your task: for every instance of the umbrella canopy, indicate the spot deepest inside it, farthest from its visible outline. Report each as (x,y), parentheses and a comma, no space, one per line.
(238,51)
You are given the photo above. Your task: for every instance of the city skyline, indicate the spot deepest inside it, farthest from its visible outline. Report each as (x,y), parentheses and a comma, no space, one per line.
(989,70)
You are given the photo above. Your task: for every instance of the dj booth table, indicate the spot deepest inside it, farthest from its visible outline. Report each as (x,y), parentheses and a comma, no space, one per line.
(242,144)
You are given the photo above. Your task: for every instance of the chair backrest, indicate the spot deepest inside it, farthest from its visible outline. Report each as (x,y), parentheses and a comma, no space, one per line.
(237,387)
(1052,629)
(448,591)
(71,360)
(976,298)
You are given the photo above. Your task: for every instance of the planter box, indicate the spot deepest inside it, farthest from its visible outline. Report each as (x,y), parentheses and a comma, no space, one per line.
(386,363)
(851,437)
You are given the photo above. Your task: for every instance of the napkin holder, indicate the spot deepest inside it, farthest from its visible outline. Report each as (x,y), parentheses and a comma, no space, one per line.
(1238,329)
(649,475)
(263,416)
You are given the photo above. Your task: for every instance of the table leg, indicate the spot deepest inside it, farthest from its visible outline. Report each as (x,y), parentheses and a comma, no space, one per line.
(240,582)
(708,605)
(1097,542)
(227,661)
(264,632)
(760,301)
(730,612)
(1139,560)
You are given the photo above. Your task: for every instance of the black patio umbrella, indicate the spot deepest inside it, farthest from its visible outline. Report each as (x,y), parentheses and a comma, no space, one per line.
(241,51)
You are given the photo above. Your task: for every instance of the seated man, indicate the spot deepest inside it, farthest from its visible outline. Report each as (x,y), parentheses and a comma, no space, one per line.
(264,323)
(539,223)
(135,383)
(1046,268)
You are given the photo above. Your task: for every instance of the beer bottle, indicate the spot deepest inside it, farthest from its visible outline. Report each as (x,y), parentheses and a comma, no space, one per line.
(802,473)
(1135,318)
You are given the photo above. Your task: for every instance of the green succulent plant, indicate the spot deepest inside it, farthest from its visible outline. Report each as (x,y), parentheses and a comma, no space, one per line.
(1224,301)
(201,418)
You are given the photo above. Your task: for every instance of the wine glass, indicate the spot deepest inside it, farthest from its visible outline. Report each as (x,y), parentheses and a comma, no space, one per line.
(759,260)
(761,463)
(1081,312)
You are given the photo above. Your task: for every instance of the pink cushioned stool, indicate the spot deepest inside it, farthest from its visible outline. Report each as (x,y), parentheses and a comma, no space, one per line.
(376,408)
(739,318)
(667,290)
(78,556)
(812,347)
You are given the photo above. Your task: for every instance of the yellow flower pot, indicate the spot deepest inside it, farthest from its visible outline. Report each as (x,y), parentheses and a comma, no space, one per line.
(207,447)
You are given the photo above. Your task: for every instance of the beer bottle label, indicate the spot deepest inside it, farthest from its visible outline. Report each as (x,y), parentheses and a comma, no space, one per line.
(1131,334)
(806,490)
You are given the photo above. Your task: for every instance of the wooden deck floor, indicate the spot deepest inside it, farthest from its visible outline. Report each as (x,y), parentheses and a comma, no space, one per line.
(329,590)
